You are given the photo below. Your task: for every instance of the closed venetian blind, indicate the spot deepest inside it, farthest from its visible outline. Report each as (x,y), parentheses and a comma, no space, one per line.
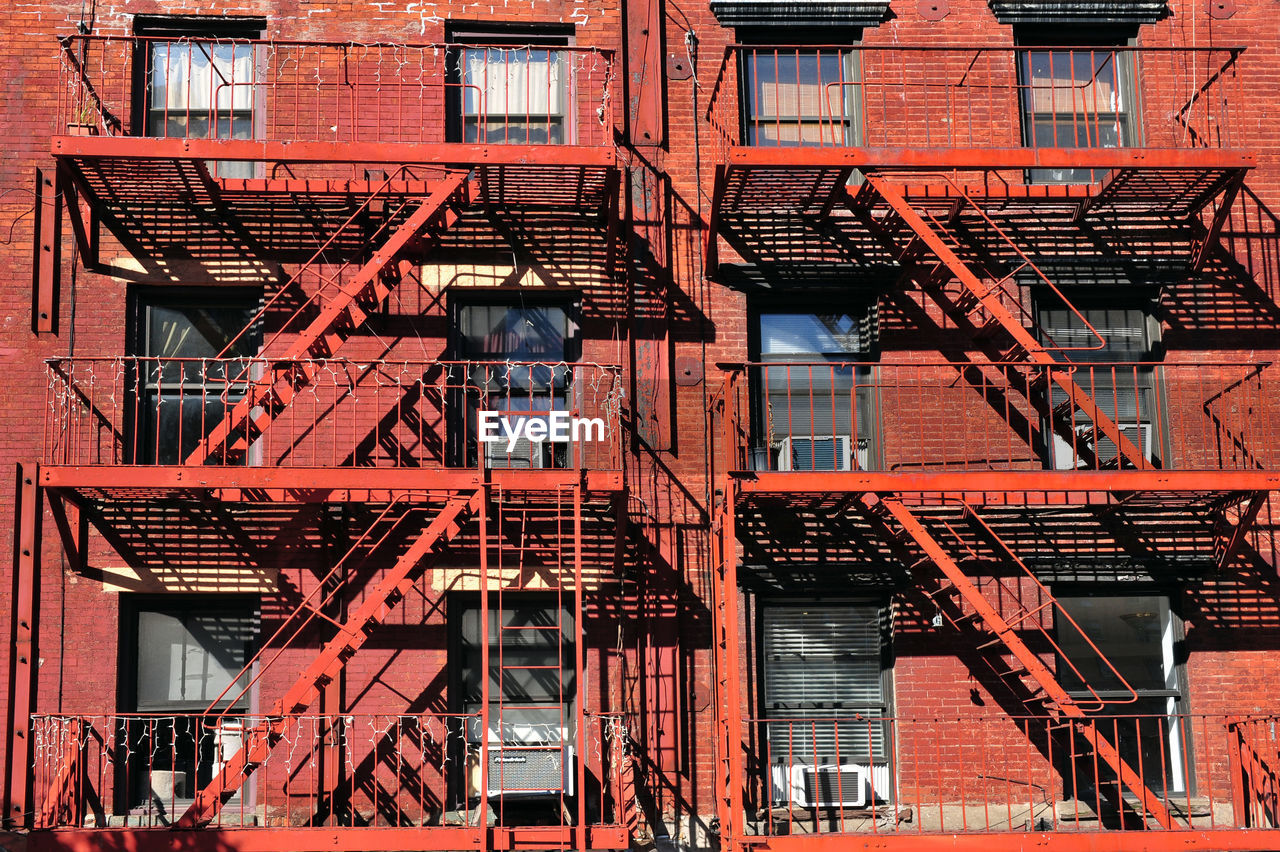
(823,683)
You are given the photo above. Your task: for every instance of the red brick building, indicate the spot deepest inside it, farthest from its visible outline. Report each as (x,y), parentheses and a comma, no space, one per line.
(555,425)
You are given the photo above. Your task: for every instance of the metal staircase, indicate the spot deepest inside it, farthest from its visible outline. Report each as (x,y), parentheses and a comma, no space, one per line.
(260,739)
(1026,606)
(925,244)
(340,307)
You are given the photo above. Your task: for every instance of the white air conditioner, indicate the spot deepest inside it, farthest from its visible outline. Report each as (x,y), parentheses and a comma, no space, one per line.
(530,769)
(528,759)
(1066,457)
(816,452)
(847,785)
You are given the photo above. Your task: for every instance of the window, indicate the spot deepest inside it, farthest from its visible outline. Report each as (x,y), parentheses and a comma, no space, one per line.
(512,88)
(1079,95)
(1118,376)
(815,404)
(1140,637)
(182,393)
(531,689)
(184,654)
(518,354)
(824,696)
(203,82)
(799,96)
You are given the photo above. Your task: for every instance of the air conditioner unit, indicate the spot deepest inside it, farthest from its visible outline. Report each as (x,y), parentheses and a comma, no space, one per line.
(816,452)
(1066,457)
(530,770)
(824,785)
(526,759)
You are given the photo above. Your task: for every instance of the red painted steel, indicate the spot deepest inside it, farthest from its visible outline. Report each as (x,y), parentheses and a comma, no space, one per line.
(317,91)
(353,413)
(1035,669)
(343,305)
(976,96)
(390,590)
(1016,482)
(46,263)
(1000,416)
(1025,345)
(24,646)
(87,763)
(987,773)
(1255,753)
(303,839)
(453,155)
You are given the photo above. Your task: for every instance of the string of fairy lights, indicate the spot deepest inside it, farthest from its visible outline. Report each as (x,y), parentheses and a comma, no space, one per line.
(111,755)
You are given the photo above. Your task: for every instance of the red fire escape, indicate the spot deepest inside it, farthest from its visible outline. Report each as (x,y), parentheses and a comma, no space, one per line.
(913,162)
(348,167)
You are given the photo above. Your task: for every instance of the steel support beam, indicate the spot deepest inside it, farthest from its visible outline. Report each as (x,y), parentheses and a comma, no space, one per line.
(313,484)
(46,258)
(389,839)
(24,649)
(1206,243)
(645,83)
(1235,539)
(399,153)
(990,481)
(1190,159)
(1075,841)
(82,214)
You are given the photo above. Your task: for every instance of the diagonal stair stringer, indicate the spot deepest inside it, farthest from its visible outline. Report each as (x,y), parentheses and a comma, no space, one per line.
(893,512)
(261,738)
(266,396)
(1026,348)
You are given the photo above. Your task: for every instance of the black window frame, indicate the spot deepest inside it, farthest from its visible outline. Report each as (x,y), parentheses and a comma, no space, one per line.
(1091,373)
(1119,39)
(144,379)
(809,41)
(143,737)
(459,703)
(462,447)
(769,758)
(464,36)
(865,311)
(1180,695)
(195,30)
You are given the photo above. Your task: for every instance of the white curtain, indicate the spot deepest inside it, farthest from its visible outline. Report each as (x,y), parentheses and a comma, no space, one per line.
(201,75)
(512,82)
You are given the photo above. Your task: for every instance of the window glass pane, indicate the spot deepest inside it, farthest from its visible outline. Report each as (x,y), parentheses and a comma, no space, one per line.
(1075,99)
(511,332)
(797,97)
(796,334)
(1134,632)
(186,658)
(514,95)
(198,331)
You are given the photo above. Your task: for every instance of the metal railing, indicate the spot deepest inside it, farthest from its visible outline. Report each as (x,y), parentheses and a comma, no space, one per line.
(851,773)
(381,414)
(349,770)
(839,415)
(1255,758)
(305,91)
(979,96)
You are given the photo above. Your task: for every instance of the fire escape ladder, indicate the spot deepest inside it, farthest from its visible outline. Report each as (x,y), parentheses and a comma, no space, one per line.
(983,305)
(954,586)
(340,313)
(260,739)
